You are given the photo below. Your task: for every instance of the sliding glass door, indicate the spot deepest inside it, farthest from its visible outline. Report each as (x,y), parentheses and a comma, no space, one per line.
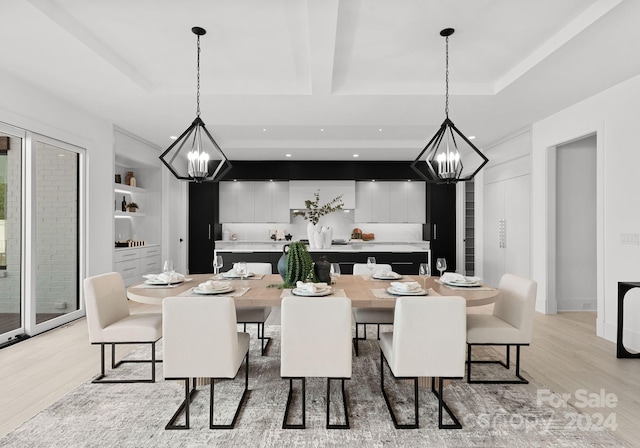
(53,234)
(41,233)
(11,305)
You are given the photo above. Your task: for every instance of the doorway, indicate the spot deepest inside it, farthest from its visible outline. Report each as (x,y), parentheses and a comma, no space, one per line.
(576,225)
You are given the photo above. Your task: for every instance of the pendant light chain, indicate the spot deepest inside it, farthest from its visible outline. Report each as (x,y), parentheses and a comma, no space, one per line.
(198,81)
(446,107)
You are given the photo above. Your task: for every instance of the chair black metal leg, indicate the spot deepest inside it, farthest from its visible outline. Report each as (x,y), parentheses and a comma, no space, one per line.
(357,338)
(302,425)
(506,364)
(262,339)
(442,405)
(378,331)
(100,377)
(344,405)
(184,406)
(242,399)
(386,398)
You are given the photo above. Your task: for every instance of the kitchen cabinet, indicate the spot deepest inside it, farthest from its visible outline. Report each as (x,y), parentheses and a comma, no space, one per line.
(390,202)
(303,190)
(203,225)
(254,202)
(440,229)
(506,229)
(132,263)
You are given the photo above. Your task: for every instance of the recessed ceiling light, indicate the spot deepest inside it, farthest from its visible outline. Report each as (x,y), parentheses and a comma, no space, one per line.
(173,137)
(380,130)
(321,130)
(356,155)
(264,129)
(471,137)
(287,155)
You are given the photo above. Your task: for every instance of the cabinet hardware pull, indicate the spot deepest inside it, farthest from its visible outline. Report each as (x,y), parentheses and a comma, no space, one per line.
(435,228)
(209,231)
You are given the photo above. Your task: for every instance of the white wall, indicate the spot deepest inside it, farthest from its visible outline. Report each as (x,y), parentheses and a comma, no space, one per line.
(27,107)
(613,115)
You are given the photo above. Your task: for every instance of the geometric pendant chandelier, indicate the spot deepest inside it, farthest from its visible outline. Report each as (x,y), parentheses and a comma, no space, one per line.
(195,155)
(449,156)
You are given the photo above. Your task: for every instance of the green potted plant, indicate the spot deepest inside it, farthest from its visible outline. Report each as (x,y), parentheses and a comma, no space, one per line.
(314,211)
(298,265)
(132,207)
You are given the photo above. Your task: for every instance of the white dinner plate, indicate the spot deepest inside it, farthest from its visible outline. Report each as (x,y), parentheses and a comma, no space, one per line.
(197,290)
(234,275)
(416,292)
(463,284)
(160,282)
(387,277)
(302,292)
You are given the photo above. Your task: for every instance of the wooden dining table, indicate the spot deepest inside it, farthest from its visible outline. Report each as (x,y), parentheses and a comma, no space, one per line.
(263,290)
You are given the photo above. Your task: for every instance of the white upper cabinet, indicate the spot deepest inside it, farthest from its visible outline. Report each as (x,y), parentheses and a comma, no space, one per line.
(390,202)
(303,190)
(254,202)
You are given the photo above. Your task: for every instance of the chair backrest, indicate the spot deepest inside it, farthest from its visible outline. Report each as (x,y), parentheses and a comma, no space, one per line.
(362,269)
(200,337)
(105,299)
(516,304)
(258,268)
(316,337)
(429,336)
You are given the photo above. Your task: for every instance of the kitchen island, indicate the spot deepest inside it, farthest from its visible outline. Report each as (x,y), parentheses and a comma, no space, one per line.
(404,257)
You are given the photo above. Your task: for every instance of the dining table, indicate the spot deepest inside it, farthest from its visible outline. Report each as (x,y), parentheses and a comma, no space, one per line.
(265,290)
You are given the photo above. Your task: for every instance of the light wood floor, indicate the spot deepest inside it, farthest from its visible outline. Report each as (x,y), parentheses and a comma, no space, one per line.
(565,356)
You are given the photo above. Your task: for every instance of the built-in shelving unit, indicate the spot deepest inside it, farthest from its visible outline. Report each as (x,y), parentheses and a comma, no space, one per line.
(145,224)
(469,228)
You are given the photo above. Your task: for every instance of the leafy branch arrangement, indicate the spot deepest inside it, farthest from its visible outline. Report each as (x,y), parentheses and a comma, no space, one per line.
(314,211)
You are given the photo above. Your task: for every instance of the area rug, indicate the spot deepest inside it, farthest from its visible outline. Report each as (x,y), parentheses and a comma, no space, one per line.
(134,415)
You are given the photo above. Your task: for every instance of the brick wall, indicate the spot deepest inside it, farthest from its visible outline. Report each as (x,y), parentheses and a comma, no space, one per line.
(56,229)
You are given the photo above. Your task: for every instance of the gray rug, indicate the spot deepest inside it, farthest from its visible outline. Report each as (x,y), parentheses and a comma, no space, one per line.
(134,415)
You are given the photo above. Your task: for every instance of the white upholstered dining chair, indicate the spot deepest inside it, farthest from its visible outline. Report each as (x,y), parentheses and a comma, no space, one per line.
(256,314)
(315,342)
(428,340)
(364,316)
(201,341)
(510,324)
(111,323)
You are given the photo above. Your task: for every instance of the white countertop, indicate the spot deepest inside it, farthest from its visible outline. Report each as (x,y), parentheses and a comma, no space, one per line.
(366,246)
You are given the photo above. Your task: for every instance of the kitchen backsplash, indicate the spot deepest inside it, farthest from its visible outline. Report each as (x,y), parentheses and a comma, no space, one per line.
(341,222)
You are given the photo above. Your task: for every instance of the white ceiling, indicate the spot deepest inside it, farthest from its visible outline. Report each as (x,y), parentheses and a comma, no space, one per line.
(321,79)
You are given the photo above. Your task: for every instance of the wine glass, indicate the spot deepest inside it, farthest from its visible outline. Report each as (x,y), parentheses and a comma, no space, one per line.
(167,268)
(441,265)
(241,269)
(217,264)
(371,264)
(424,271)
(335,272)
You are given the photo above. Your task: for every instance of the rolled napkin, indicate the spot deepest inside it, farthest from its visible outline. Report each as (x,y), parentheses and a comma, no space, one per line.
(311,287)
(405,286)
(452,277)
(211,285)
(172,277)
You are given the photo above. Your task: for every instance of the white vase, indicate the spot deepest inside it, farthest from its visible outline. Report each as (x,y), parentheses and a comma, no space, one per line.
(327,237)
(319,240)
(311,231)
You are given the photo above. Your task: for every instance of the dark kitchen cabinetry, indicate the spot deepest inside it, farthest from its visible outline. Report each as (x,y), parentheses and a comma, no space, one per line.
(440,229)
(203,226)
